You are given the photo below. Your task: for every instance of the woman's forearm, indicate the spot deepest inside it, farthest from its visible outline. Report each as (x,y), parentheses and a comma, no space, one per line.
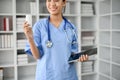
(34,49)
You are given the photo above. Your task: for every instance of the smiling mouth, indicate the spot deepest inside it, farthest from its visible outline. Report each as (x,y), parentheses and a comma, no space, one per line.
(53,9)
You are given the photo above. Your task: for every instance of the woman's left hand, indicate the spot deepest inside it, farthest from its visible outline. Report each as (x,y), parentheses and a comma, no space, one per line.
(83,58)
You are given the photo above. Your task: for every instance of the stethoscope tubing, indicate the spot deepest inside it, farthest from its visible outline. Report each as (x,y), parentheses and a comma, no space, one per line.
(66,21)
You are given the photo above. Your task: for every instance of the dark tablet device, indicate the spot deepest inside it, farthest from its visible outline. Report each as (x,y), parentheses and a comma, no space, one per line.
(74,57)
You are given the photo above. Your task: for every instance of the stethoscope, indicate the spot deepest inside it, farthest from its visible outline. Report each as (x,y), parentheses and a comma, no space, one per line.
(49,43)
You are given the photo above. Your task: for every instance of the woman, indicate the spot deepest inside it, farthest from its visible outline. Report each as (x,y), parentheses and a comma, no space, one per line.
(51,43)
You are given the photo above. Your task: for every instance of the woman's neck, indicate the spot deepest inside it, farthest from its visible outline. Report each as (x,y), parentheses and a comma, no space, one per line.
(56,20)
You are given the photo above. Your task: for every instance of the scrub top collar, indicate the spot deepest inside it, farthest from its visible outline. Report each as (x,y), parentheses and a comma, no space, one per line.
(61,26)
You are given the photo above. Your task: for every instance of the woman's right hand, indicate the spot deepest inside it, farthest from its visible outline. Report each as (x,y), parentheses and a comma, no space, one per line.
(28,30)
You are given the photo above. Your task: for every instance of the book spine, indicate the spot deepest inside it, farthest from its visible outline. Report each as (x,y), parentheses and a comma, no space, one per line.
(7,24)
(4,24)
(2,41)
(12,42)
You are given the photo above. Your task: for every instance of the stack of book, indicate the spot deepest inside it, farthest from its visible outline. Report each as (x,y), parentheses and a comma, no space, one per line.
(1,73)
(87,67)
(88,40)
(6,24)
(22,59)
(6,41)
(67,8)
(88,0)
(44,8)
(93,57)
(19,23)
(33,8)
(21,43)
(87,9)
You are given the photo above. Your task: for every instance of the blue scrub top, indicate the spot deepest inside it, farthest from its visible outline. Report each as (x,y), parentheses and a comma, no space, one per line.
(53,63)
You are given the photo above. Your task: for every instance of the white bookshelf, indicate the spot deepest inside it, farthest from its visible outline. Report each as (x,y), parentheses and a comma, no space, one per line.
(109,46)
(89,36)
(85,23)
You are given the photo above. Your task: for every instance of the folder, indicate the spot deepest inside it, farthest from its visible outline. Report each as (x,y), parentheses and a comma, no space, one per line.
(75,57)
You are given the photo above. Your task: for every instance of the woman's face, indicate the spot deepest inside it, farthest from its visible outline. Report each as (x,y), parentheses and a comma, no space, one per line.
(55,6)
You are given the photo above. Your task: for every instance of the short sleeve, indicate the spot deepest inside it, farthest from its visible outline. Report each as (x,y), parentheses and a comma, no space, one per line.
(37,40)
(74,45)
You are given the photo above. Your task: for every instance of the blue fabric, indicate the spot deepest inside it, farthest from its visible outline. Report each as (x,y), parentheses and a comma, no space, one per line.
(53,65)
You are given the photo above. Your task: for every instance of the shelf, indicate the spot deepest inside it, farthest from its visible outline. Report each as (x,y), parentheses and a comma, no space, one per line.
(102,45)
(73,15)
(9,78)
(87,0)
(115,13)
(104,15)
(104,30)
(115,30)
(21,14)
(7,65)
(6,49)
(29,77)
(90,73)
(88,15)
(72,0)
(24,14)
(115,47)
(11,32)
(83,45)
(20,31)
(115,64)
(44,14)
(28,64)
(6,14)
(103,60)
(88,30)
(20,48)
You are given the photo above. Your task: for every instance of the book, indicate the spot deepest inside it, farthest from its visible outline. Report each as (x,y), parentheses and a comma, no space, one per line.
(0,41)
(67,9)
(33,8)
(75,57)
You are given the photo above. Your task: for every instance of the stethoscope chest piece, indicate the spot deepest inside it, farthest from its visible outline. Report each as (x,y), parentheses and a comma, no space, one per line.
(49,44)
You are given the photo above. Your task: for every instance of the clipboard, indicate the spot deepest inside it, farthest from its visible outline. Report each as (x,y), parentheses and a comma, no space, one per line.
(89,52)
